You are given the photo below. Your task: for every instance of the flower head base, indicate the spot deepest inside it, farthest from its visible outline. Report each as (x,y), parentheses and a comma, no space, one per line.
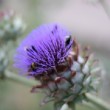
(50,55)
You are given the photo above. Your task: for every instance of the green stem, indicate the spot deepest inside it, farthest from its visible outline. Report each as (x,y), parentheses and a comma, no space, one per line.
(97,102)
(20,79)
(91,105)
(29,82)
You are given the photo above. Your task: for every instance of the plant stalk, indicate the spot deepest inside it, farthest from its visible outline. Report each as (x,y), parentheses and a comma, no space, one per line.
(97,102)
(19,79)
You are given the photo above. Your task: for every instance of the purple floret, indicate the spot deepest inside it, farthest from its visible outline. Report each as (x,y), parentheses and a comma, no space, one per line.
(43,49)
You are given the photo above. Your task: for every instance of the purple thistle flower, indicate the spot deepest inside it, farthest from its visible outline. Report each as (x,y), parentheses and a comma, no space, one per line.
(64,70)
(44,49)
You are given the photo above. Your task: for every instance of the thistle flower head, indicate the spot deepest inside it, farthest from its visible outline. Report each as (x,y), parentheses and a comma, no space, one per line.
(44,50)
(64,70)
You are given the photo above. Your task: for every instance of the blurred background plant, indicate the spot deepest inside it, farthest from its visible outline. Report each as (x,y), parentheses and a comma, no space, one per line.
(10,26)
(88,20)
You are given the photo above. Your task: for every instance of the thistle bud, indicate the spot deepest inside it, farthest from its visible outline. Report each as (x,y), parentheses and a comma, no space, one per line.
(11,25)
(53,57)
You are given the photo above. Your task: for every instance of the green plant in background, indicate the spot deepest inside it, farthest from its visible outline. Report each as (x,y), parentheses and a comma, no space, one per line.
(11,25)
(66,72)
(3,63)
